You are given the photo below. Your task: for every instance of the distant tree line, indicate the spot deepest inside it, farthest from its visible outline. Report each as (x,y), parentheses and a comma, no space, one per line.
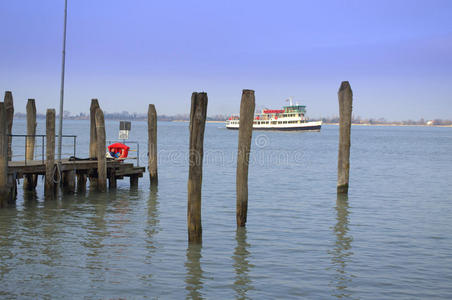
(124,115)
(383,121)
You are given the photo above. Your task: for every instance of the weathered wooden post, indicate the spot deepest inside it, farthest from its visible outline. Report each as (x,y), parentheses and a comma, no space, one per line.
(198,114)
(81,181)
(152,144)
(4,187)
(92,128)
(345,96)
(30,181)
(9,107)
(93,136)
(247,106)
(49,188)
(101,159)
(69,181)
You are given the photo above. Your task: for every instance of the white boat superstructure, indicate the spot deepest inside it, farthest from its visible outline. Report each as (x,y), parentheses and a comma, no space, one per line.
(291,117)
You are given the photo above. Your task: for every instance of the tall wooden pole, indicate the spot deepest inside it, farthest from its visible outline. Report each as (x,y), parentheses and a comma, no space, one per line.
(198,115)
(345,96)
(247,106)
(9,107)
(93,137)
(30,180)
(92,129)
(4,190)
(101,159)
(49,188)
(152,144)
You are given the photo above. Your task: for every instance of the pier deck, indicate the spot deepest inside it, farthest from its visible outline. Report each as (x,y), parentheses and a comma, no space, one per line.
(115,168)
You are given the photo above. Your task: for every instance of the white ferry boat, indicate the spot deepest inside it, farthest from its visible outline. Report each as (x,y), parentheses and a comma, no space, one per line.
(291,117)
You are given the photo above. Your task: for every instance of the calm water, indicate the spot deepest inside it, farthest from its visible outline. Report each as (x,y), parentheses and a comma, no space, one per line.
(392,238)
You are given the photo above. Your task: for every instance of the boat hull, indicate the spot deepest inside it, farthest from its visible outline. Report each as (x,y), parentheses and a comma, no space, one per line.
(304,127)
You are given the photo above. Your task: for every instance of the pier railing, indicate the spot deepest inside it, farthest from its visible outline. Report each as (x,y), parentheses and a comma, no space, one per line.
(41,137)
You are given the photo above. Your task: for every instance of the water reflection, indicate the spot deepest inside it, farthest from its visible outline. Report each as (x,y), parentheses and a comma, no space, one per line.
(152,228)
(8,230)
(242,266)
(194,277)
(341,253)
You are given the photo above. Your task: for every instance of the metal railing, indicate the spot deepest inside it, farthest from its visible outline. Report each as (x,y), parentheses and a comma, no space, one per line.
(137,158)
(42,136)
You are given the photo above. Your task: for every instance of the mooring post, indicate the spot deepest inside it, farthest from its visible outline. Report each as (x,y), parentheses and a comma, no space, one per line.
(30,180)
(49,188)
(93,136)
(4,187)
(152,145)
(69,181)
(101,159)
(198,114)
(81,181)
(92,128)
(247,106)
(345,96)
(133,180)
(9,107)
(112,181)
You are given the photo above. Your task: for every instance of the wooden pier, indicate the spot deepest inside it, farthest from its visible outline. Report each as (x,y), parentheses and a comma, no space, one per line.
(70,174)
(116,169)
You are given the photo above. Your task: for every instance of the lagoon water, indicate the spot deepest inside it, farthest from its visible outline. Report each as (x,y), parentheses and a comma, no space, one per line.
(391,238)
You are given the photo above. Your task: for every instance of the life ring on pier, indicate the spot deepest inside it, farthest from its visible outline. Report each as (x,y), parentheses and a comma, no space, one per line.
(119,150)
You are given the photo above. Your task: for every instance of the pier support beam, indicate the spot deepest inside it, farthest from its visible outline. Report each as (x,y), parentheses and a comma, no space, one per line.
(247,107)
(5,189)
(345,96)
(152,145)
(9,107)
(198,114)
(133,180)
(49,188)
(101,159)
(69,181)
(112,179)
(30,180)
(81,181)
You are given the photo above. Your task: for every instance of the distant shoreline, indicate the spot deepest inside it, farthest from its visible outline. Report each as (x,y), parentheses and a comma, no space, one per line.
(392,124)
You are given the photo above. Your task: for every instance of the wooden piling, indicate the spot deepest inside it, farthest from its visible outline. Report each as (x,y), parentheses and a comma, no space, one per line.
(247,107)
(345,96)
(30,180)
(69,179)
(101,159)
(152,145)
(197,125)
(49,188)
(4,188)
(133,180)
(81,181)
(112,181)
(92,129)
(9,107)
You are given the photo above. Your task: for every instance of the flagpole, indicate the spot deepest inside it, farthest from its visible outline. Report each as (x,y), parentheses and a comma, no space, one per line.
(60,129)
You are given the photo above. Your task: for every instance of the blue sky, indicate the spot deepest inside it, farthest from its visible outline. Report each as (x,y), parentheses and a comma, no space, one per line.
(396,54)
